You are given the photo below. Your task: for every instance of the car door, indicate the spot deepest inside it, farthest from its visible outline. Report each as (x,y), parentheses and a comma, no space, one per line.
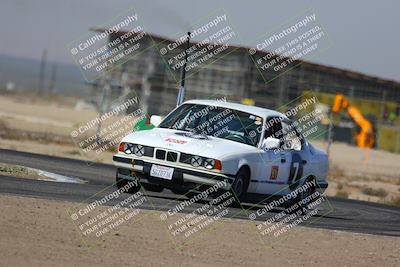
(274,164)
(293,148)
(281,170)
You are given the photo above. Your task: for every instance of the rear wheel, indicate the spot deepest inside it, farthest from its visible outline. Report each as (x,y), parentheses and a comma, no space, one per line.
(309,191)
(302,205)
(306,193)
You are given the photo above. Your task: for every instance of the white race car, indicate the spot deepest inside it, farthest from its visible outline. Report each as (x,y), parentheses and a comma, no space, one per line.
(252,151)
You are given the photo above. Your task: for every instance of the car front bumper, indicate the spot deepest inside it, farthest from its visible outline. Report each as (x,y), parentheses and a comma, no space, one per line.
(183,177)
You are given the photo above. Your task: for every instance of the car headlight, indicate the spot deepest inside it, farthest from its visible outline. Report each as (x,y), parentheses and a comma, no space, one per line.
(213,164)
(209,163)
(128,148)
(138,150)
(196,161)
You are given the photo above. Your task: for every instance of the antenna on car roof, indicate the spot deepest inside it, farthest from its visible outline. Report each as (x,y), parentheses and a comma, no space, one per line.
(181,94)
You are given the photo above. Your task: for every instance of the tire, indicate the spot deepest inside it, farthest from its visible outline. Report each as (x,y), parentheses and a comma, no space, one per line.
(191,194)
(153,188)
(120,183)
(309,192)
(240,185)
(304,195)
(178,191)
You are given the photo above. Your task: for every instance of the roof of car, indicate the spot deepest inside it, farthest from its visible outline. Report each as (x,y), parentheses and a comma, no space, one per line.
(262,112)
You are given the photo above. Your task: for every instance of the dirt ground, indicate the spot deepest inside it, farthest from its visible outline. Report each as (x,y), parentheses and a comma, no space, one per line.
(39,232)
(45,127)
(40,115)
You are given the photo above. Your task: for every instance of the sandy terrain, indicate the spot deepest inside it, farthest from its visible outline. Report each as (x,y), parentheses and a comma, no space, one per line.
(371,163)
(23,114)
(40,233)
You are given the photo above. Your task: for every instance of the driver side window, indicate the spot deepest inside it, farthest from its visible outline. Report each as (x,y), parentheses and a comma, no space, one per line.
(273,128)
(291,138)
(283,130)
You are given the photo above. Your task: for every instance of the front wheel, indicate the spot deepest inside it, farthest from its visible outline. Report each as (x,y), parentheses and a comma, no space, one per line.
(121,183)
(178,191)
(153,188)
(240,185)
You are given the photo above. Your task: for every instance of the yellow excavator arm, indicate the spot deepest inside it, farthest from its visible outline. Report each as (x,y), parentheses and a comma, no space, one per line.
(365,138)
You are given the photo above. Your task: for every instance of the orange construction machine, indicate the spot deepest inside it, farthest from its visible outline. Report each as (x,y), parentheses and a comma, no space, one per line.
(365,138)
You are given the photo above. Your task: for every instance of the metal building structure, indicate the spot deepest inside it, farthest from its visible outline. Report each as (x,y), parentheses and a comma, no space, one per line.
(234,75)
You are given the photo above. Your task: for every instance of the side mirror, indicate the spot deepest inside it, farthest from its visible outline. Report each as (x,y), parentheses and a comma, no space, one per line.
(271,143)
(155,120)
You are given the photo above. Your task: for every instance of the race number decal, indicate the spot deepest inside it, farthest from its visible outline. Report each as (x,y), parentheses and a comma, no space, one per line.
(296,171)
(274,172)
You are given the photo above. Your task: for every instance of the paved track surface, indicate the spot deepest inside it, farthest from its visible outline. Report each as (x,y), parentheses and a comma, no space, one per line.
(336,214)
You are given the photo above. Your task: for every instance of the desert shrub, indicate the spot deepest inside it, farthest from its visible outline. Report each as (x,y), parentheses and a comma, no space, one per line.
(340,186)
(335,173)
(394,201)
(342,194)
(379,192)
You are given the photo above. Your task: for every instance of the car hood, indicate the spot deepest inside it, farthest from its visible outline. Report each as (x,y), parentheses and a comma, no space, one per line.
(186,142)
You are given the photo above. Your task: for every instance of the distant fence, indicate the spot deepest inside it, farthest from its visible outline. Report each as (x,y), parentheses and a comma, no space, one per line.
(388,138)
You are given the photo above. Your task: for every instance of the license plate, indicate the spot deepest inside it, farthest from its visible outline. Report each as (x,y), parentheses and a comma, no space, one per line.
(162,172)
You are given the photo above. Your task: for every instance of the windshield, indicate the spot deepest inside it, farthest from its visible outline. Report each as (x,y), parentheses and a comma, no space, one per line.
(214,121)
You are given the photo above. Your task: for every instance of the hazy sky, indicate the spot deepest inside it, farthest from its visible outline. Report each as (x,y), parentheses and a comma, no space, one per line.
(365,34)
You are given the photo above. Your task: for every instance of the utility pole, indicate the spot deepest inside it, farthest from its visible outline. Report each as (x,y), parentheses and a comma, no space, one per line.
(181,94)
(330,126)
(53,78)
(105,85)
(42,72)
(145,94)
